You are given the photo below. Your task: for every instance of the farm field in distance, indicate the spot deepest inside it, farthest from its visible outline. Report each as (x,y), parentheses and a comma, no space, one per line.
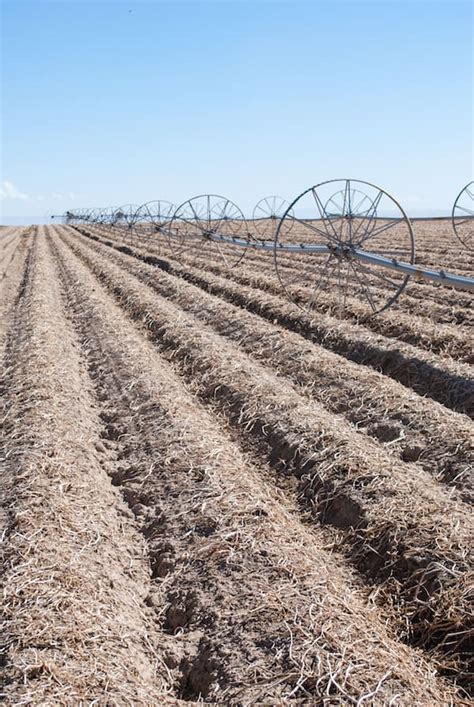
(212,496)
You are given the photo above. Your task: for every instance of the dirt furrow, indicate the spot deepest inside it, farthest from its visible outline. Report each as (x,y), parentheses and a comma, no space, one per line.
(452,265)
(445,257)
(419,331)
(74,574)
(448,382)
(413,428)
(433,292)
(260,262)
(419,300)
(256,609)
(7,239)
(10,281)
(400,528)
(11,251)
(417,324)
(424,290)
(6,250)
(298,266)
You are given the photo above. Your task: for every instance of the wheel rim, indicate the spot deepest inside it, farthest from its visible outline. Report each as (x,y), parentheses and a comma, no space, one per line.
(266,215)
(207,215)
(153,221)
(353,214)
(463,216)
(124,219)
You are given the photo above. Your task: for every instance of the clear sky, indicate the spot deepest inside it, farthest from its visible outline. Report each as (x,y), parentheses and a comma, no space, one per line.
(123,101)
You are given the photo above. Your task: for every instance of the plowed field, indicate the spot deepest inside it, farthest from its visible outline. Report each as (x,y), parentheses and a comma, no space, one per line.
(209,495)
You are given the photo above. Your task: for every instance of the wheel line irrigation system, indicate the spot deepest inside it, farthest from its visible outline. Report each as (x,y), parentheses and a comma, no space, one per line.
(351,230)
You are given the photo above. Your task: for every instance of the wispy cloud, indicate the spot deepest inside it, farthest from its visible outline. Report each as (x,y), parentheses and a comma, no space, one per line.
(69,195)
(9,191)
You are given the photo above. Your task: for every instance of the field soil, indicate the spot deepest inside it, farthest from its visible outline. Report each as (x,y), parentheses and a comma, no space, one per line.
(209,495)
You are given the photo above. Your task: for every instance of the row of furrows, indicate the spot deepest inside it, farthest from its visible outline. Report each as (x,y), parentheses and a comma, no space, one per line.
(459,265)
(214,255)
(442,248)
(8,257)
(426,324)
(290,260)
(445,381)
(441,243)
(251,606)
(410,427)
(420,331)
(438,297)
(400,529)
(11,282)
(8,238)
(430,244)
(5,247)
(14,250)
(437,243)
(421,298)
(73,571)
(410,324)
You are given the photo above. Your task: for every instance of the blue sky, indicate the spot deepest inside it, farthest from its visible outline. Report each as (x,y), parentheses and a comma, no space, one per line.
(115,102)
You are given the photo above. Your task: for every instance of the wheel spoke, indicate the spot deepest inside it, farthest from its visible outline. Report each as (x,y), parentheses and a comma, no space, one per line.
(338,208)
(324,215)
(384,278)
(364,287)
(465,220)
(324,234)
(466,210)
(359,204)
(340,289)
(371,215)
(377,231)
(324,278)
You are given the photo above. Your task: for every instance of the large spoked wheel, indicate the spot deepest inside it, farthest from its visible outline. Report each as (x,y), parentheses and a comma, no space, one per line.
(266,215)
(343,215)
(105,217)
(99,218)
(203,230)
(124,219)
(153,219)
(463,216)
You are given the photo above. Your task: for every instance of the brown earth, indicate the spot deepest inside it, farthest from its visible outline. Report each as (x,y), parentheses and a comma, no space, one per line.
(211,496)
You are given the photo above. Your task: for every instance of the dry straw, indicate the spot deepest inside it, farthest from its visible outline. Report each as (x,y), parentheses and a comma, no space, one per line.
(409,426)
(73,568)
(447,381)
(259,610)
(401,529)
